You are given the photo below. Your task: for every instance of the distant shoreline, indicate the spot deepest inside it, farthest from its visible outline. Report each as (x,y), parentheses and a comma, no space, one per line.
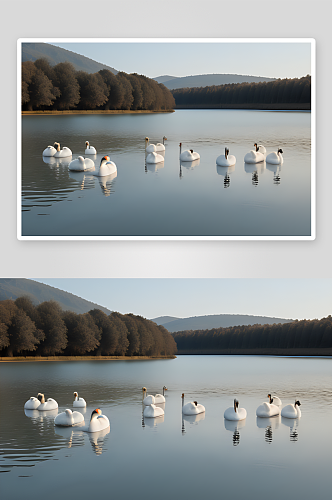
(80,358)
(258,352)
(266,107)
(94,112)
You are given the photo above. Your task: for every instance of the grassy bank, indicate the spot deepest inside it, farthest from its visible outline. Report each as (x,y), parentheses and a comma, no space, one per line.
(267,107)
(260,352)
(94,112)
(81,358)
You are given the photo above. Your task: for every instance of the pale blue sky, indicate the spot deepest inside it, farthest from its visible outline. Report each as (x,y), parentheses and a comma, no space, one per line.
(274,60)
(283,298)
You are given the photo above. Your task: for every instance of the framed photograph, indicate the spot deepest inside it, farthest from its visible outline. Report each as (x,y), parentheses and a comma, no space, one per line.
(166,139)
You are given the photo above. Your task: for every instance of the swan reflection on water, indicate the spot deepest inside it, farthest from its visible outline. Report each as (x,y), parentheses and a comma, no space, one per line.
(38,416)
(188,166)
(154,167)
(192,420)
(275,169)
(56,162)
(84,180)
(74,436)
(293,425)
(270,424)
(225,171)
(234,426)
(153,421)
(254,169)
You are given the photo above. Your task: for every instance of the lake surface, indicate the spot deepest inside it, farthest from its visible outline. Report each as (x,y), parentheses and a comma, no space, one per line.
(171,198)
(169,457)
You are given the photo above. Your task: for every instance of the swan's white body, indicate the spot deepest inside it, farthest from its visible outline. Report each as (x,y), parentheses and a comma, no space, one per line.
(107,167)
(256,156)
(152,400)
(159,398)
(90,150)
(62,153)
(68,418)
(81,164)
(192,408)
(275,158)
(153,411)
(49,151)
(79,402)
(291,411)
(267,410)
(235,414)
(189,155)
(50,404)
(154,158)
(226,160)
(97,423)
(32,404)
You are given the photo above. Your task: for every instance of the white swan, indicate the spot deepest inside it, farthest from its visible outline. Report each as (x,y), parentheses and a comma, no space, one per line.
(152,148)
(154,158)
(78,402)
(89,150)
(50,404)
(61,153)
(235,413)
(98,422)
(226,160)
(292,411)
(68,418)
(275,400)
(153,411)
(267,410)
(256,156)
(275,158)
(32,404)
(81,164)
(192,408)
(106,167)
(151,400)
(188,155)
(49,151)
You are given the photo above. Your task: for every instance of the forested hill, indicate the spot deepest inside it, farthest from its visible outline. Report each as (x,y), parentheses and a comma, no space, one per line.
(172,82)
(12,288)
(287,93)
(214,321)
(47,330)
(62,88)
(313,336)
(55,55)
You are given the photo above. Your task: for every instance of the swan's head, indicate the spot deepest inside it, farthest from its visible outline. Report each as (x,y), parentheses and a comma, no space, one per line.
(164,138)
(280,151)
(236,405)
(270,398)
(297,403)
(86,144)
(95,413)
(76,394)
(144,389)
(146,140)
(191,150)
(68,412)
(195,403)
(180,144)
(41,397)
(182,396)
(256,147)
(57,146)
(165,388)
(104,158)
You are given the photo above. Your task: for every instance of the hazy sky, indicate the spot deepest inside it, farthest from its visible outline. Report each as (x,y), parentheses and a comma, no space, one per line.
(274,60)
(283,298)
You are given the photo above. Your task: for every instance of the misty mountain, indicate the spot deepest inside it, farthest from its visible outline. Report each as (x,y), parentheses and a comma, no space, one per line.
(55,55)
(216,321)
(12,288)
(208,80)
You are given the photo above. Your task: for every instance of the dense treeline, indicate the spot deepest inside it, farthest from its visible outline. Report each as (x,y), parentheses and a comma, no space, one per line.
(61,87)
(47,330)
(314,334)
(294,90)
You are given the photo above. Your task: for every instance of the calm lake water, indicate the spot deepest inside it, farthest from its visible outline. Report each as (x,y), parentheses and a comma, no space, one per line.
(170,457)
(172,198)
